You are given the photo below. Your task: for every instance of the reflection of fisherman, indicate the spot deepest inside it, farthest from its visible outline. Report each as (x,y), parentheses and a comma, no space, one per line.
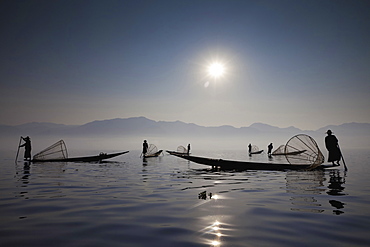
(145,147)
(331,143)
(269,149)
(188,152)
(27,147)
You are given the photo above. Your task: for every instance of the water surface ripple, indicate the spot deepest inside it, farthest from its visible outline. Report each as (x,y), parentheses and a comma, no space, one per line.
(131,202)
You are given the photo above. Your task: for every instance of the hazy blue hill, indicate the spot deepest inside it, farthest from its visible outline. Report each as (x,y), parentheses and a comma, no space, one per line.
(268,128)
(119,126)
(348,129)
(8,130)
(350,134)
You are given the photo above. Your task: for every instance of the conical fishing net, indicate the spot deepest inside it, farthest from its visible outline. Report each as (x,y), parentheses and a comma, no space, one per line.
(254,149)
(152,149)
(303,150)
(181,149)
(279,151)
(56,151)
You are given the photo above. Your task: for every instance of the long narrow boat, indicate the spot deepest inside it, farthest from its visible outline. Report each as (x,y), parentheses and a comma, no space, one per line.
(245,165)
(176,153)
(256,152)
(156,154)
(95,158)
(290,153)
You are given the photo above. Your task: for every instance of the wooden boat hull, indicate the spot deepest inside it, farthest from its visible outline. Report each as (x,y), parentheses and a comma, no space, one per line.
(257,152)
(175,153)
(95,158)
(244,165)
(153,155)
(290,153)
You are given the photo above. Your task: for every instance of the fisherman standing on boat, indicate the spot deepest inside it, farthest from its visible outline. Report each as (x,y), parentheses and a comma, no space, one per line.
(188,152)
(27,147)
(249,148)
(145,147)
(331,144)
(269,149)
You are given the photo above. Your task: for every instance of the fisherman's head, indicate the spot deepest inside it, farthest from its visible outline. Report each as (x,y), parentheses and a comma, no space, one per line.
(328,132)
(144,140)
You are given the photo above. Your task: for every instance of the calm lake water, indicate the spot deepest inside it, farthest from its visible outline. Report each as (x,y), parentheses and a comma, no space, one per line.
(128,202)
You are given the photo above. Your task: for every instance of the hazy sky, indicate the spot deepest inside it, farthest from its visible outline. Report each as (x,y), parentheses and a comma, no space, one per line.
(300,63)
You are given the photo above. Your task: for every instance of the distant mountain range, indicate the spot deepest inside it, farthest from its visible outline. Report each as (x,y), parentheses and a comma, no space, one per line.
(356,134)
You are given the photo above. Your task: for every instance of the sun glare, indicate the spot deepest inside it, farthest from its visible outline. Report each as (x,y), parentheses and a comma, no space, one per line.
(216,70)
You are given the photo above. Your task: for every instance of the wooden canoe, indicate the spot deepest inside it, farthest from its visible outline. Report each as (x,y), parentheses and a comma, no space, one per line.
(95,158)
(290,153)
(176,153)
(256,152)
(156,154)
(245,165)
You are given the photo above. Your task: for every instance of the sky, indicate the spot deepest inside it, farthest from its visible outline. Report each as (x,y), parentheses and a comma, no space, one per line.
(286,62)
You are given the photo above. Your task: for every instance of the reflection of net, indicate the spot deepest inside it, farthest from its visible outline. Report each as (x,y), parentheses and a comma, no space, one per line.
(311,156)
(56,151)
(181,149)
(152,149)
(279,150)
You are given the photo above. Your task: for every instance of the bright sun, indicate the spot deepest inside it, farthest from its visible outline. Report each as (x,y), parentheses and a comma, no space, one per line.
(216,70)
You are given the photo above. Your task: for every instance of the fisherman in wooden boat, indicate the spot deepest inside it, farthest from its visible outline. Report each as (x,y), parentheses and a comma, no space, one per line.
(331,143)
(249,148)
(269,149)
(145,147)
(188,151)
(27,147)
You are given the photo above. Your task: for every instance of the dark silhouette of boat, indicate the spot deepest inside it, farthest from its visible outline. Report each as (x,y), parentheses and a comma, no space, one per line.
(94,158)
(58,153)
(156,154)
(246,165)
(256,152)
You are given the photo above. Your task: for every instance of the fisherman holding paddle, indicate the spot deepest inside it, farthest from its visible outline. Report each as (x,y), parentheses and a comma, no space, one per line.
(27,147)
(145,148)
(331,143)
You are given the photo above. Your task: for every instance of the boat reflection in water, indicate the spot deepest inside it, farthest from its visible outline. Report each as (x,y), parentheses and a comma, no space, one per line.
(307,186)
(336,188)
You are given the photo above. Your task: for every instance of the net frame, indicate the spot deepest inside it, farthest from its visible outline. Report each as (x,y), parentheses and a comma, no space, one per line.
(279,150)
(56,151)
(254,149)
(152,149)
(312,155)
(182,149)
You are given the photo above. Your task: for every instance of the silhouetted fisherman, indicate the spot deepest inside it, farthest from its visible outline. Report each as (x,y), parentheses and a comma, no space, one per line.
(249,148)
(27,147)
(269,149)
(188,149)
(331,143)
(145,147)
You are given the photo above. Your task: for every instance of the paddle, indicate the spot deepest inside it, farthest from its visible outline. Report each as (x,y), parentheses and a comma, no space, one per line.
(344,163)
(19,145)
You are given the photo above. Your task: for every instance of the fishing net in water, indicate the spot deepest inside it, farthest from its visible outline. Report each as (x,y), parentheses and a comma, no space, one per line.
(56,151)
(181,149)
(303,150)
(152,149)
(279,151)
